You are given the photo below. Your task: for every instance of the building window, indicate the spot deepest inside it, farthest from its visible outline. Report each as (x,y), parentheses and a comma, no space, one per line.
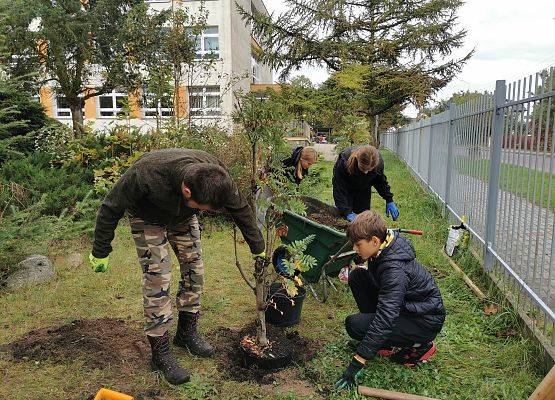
(204,101)
(262,96)
(153,107)
(62,107)
(112,104)
(208,43)
(255,70)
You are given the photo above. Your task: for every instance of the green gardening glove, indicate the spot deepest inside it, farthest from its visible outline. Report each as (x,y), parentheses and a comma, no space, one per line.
(99,264)
(351,375)
(260,260)
(259,256)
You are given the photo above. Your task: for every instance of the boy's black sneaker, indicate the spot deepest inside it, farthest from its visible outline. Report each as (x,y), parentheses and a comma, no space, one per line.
(412,356)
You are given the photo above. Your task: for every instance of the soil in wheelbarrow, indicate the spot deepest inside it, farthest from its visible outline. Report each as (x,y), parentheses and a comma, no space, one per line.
(325,218)
(101,343)
(286,348)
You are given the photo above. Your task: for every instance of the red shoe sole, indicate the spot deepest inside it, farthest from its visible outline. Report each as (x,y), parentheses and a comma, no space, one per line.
(385,353)
(424,358)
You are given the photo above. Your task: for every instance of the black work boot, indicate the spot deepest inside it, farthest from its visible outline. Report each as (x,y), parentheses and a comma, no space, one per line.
(188,337)
(164,361)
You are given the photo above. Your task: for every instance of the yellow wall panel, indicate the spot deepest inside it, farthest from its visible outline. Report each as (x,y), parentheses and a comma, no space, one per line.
(90,107)
(46,99)
(135,104)
(181,107)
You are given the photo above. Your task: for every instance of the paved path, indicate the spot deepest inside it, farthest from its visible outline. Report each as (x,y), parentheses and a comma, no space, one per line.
(524,235)
(527,159)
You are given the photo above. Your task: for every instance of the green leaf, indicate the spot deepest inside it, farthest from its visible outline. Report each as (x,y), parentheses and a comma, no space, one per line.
(290,287)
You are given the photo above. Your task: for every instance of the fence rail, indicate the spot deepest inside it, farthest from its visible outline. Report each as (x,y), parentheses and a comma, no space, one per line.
(491,160)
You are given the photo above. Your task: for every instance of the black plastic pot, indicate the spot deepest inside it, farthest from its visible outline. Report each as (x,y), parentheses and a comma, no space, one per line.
(291,311)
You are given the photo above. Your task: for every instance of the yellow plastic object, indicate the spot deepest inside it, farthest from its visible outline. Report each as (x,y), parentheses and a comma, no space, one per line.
(107,394)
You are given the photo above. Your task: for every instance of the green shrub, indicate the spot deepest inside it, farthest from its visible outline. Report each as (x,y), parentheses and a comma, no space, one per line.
(29,231)
(61,187)
(354,130)
(20,115)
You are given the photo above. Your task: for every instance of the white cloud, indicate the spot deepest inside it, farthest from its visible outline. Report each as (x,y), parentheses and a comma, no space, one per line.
(512,39)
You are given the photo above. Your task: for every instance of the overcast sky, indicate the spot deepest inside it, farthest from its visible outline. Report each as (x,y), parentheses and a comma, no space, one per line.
(512,39)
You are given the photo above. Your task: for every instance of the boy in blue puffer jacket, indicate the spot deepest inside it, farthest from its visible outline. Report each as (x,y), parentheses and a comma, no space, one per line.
(399,303)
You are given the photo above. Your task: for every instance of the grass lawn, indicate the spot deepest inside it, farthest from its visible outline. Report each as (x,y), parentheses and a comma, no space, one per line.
(475,359)
(526,182)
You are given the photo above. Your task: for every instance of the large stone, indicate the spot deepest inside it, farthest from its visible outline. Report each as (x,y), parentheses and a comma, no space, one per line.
(31,271)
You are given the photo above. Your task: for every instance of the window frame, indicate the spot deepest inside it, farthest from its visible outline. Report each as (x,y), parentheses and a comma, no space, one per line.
(67,110)
(202,52)
(115,110)
(159,110)
(204,92)
(255,66)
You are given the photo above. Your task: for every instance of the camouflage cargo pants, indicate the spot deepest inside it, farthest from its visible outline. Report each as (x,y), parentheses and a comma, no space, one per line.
(153,244)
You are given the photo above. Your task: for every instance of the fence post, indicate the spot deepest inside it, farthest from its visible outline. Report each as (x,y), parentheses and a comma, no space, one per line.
(418,137)
(498,120)
(398,141)
(450,145)
(430,152)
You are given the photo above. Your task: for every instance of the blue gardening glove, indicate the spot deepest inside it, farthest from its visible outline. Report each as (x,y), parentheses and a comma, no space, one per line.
(280,266)
(392,211)
(99,264)
(351,375)
(351,216)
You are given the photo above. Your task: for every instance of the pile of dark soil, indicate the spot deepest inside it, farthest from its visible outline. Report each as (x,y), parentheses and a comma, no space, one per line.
(232,361)
(324,218)
(101,343)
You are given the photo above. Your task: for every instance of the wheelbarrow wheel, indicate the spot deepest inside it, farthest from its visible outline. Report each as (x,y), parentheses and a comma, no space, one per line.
(319,290)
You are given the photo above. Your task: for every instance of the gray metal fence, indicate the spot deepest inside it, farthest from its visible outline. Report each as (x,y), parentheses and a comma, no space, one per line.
(491,160)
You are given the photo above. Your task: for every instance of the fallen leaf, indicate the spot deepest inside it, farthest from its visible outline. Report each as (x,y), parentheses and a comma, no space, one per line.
(490,310)
(282,231)
(507,333)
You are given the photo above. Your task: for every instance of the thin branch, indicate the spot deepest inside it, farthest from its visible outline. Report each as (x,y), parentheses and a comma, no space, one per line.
(237,263)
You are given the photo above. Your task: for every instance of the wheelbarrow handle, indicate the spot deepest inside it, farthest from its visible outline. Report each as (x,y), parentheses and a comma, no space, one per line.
(411,231)
(347,254)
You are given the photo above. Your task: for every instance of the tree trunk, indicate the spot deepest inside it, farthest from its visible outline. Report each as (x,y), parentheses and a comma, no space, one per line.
(259,269)
(376,139)
(252,199)
(77,120)
(259,274)
(176,95)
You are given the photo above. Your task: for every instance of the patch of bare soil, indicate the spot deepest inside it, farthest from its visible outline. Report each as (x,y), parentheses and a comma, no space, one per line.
(101,343)
(104,343)
(234,365)
(322,217)
(288,383)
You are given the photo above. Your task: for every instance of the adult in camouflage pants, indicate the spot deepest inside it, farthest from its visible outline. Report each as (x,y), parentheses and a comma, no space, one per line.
(153,244)
(162,192)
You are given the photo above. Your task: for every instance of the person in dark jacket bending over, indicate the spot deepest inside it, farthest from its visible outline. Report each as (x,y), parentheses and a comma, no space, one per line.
(302,158)
(162,193)
(399,303)
(296,167)
(356,170)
